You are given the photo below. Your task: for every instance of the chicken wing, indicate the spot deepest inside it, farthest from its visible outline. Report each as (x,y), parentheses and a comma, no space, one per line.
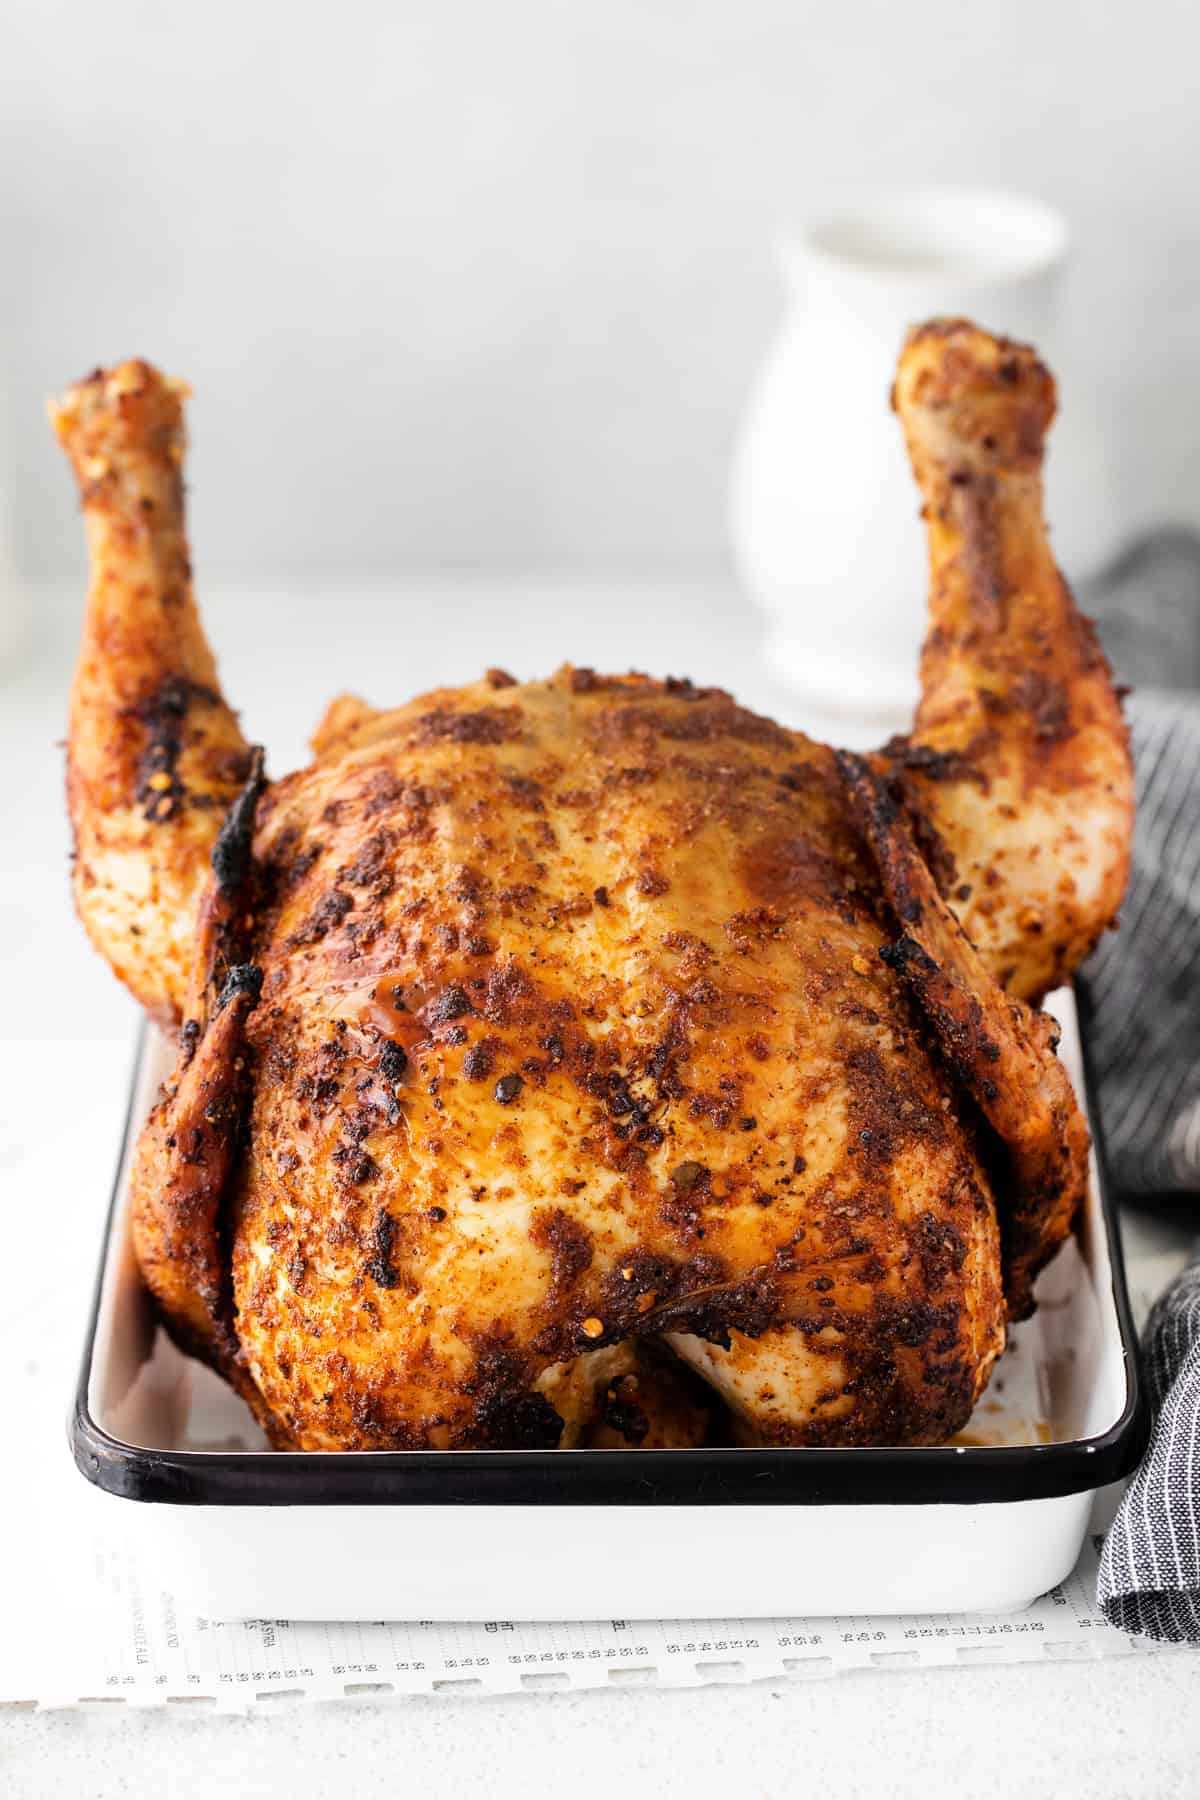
(1001,1050)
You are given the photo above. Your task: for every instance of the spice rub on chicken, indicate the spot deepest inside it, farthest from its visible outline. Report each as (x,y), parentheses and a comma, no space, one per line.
(590,1060)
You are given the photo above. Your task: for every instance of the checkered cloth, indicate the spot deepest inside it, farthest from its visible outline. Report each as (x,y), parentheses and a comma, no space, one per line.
(1149,1578)
(1145,985)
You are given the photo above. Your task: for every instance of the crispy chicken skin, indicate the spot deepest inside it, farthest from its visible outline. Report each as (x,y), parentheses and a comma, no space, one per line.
(590,1060)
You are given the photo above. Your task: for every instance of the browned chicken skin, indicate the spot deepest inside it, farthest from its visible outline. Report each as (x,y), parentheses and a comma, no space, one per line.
(557,1057)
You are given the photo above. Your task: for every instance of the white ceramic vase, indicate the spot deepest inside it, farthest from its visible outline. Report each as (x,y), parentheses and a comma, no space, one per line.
(824,514)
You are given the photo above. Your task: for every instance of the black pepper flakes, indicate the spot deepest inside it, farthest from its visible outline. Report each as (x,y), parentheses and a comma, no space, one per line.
(393,1060)
(450,1005)
(477,1063)
(380,1266)
(507,1089)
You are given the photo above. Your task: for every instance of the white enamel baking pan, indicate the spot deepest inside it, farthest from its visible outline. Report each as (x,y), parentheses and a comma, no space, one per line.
(983,1525)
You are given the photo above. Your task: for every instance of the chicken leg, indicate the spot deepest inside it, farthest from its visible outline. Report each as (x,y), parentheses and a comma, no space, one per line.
(155,756)
(1017,770)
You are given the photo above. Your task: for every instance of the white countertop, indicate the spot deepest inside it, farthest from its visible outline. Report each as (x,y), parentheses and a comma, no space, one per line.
(1123,1726)
(1105,1731)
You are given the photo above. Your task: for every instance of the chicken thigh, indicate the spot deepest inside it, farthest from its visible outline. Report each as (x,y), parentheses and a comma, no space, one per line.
(556,1056)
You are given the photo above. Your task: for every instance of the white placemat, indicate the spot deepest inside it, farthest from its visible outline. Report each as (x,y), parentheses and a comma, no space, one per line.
(125,1642)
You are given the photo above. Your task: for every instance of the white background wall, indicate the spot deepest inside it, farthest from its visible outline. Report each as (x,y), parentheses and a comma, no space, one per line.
(481,282)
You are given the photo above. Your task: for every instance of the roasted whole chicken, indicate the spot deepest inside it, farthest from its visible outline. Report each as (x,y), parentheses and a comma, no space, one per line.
(591,1061)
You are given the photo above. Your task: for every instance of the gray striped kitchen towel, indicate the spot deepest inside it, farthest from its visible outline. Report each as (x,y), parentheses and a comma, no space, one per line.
(1145,987)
